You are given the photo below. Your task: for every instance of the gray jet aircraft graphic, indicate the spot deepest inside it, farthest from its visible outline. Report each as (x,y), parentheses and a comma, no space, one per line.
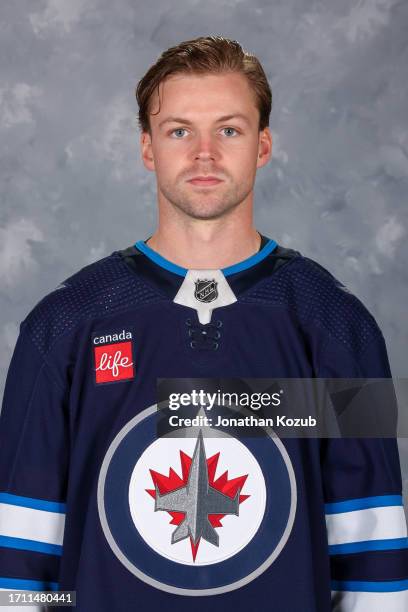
(197,500)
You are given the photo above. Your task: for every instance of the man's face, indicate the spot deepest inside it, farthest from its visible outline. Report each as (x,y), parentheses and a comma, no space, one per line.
(208,125)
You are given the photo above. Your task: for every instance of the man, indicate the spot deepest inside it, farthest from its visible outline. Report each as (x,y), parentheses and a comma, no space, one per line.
(93,500)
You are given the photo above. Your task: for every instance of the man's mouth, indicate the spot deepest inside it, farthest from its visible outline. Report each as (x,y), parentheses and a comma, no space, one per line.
(205,181)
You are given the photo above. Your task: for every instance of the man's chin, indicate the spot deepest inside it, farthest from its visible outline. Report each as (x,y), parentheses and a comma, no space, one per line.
(207,211)
(205,207)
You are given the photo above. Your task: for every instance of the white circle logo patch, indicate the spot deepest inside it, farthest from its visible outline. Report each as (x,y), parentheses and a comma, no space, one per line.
(212,498)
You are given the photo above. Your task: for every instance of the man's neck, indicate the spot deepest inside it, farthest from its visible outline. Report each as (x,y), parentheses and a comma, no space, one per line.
(206,246)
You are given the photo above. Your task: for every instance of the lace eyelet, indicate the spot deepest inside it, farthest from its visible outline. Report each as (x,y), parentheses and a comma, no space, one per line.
(193,344)
(218,323)
(217,335)
(190,332)
(215,346)
(188,322)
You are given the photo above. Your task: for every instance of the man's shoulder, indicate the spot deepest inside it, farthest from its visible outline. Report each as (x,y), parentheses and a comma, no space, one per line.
(315,297)
(99,289)
(306,281)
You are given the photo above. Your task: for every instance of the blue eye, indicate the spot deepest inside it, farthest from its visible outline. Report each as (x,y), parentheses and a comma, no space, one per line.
(176,132)
(230,128)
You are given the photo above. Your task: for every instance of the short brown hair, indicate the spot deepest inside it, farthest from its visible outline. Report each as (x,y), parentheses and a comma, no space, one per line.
(206,54)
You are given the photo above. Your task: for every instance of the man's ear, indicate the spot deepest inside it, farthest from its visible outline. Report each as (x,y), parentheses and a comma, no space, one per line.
(147,150)
(264,147)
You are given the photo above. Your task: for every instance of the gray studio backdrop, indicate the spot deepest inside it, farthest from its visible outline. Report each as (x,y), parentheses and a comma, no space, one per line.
(73,188)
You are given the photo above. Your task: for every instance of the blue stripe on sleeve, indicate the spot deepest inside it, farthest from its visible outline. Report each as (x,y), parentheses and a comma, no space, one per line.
(28,585)
(23,544)
(366,545)
(378,501)
(30,502)
(369,587)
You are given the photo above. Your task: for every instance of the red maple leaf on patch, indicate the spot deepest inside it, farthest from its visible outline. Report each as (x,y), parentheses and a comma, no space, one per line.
(173,481)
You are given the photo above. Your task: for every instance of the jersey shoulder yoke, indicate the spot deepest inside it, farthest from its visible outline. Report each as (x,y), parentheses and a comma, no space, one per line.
(104,287)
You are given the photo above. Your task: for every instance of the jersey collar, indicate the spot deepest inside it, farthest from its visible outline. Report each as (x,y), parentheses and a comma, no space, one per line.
(245,264)
(167,277)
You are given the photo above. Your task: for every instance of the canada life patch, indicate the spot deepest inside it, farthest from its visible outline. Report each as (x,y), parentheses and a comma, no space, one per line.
(195,515)
(113,357)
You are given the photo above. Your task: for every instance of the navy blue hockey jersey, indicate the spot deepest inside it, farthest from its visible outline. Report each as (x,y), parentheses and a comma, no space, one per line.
(93,501)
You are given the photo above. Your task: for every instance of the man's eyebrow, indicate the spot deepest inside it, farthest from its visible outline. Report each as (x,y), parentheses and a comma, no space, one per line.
(234,116)
(219,120)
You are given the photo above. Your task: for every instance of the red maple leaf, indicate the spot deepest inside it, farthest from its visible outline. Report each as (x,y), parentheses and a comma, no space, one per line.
(173,481)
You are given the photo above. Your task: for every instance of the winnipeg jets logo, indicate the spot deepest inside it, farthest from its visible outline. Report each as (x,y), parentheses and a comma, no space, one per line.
(196,502)
(205,290)
(192,515)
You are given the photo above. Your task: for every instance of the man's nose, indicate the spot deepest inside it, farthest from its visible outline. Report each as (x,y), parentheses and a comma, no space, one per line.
(206,148)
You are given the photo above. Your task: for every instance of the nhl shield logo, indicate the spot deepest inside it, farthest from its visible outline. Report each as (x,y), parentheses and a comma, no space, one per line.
(194,515)
(205,290)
